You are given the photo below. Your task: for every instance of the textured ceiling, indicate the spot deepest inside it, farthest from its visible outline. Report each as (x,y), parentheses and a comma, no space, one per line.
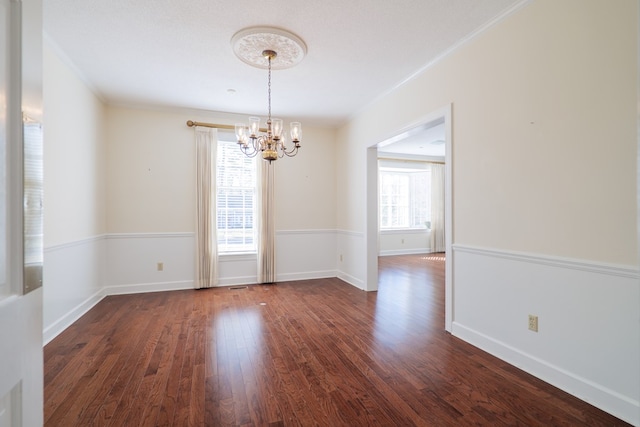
(177,53)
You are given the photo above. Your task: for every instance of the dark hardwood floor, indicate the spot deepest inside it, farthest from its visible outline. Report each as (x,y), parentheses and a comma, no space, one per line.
(317,352)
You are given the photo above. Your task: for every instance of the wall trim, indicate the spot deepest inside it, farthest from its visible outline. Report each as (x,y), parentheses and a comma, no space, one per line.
(228,281)
(554,261)
(310,231)
(67,320)
(353,281)
(404,231)
(606,399)
(138,288)
(74,243)
(392,252)
(237,280)
(64,58)
(191,234)
(111,236)
(350,233)
(307,275)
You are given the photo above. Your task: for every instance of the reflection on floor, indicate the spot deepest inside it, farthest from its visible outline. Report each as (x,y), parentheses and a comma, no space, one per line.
(410,287)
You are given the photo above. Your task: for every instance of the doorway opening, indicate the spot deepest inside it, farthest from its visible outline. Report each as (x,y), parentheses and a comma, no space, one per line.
(432,133)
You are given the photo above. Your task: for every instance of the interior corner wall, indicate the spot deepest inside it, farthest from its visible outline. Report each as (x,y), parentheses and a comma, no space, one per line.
(74,194)
(544,107)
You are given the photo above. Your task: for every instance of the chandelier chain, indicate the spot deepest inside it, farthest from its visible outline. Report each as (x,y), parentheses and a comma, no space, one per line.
(269,87)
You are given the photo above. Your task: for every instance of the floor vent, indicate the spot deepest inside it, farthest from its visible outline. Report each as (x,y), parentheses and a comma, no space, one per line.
(235,288)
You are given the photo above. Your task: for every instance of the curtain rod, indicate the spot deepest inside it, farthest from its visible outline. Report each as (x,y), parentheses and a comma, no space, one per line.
(191,124)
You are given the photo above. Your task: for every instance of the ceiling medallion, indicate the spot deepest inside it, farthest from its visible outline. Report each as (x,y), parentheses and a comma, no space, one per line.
(267,47)
(248,45)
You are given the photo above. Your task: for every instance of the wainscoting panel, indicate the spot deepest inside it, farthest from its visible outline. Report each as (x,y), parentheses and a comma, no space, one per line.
(305,254)
(404,242)
(132,262)
(588,313)
(78,275)
(73,281)
(351,257)
(240,269)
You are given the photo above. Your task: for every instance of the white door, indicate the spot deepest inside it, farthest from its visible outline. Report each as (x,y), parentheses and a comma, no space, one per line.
(21,376)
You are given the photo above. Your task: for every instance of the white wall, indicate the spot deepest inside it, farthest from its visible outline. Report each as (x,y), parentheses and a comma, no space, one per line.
(74,127)
(131,262)
(404,242)
(74,278)
(74,195)
(119,186)
(151,202)
(544,165)
(151,174)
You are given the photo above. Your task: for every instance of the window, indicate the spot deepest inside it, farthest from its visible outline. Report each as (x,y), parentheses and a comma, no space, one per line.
(405,198)
(235,199)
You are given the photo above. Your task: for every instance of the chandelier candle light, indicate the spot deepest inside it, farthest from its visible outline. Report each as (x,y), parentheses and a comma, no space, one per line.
(272,145)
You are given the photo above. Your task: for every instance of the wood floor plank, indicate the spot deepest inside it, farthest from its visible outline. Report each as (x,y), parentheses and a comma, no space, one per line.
(73,379)
(123,394)
(301,353)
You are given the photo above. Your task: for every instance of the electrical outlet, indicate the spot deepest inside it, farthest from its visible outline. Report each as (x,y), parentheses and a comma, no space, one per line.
(340,257)
(533,323)
(160,266)
(402,241)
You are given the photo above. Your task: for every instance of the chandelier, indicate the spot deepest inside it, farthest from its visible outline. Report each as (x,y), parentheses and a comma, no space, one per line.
(268,41)
(272,144)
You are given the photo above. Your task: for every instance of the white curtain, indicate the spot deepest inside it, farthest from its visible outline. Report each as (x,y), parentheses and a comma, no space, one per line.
(437,208)
(206,218)
(266,223)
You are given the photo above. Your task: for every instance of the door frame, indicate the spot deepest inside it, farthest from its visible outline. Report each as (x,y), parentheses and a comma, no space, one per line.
(371,221)
(21,354)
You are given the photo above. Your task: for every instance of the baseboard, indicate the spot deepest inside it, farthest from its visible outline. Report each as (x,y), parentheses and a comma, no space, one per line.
(353,281)
(596,395)
(417,251)
(307,275)
(67,320)
(238,280)
(139,288)
(228,281)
